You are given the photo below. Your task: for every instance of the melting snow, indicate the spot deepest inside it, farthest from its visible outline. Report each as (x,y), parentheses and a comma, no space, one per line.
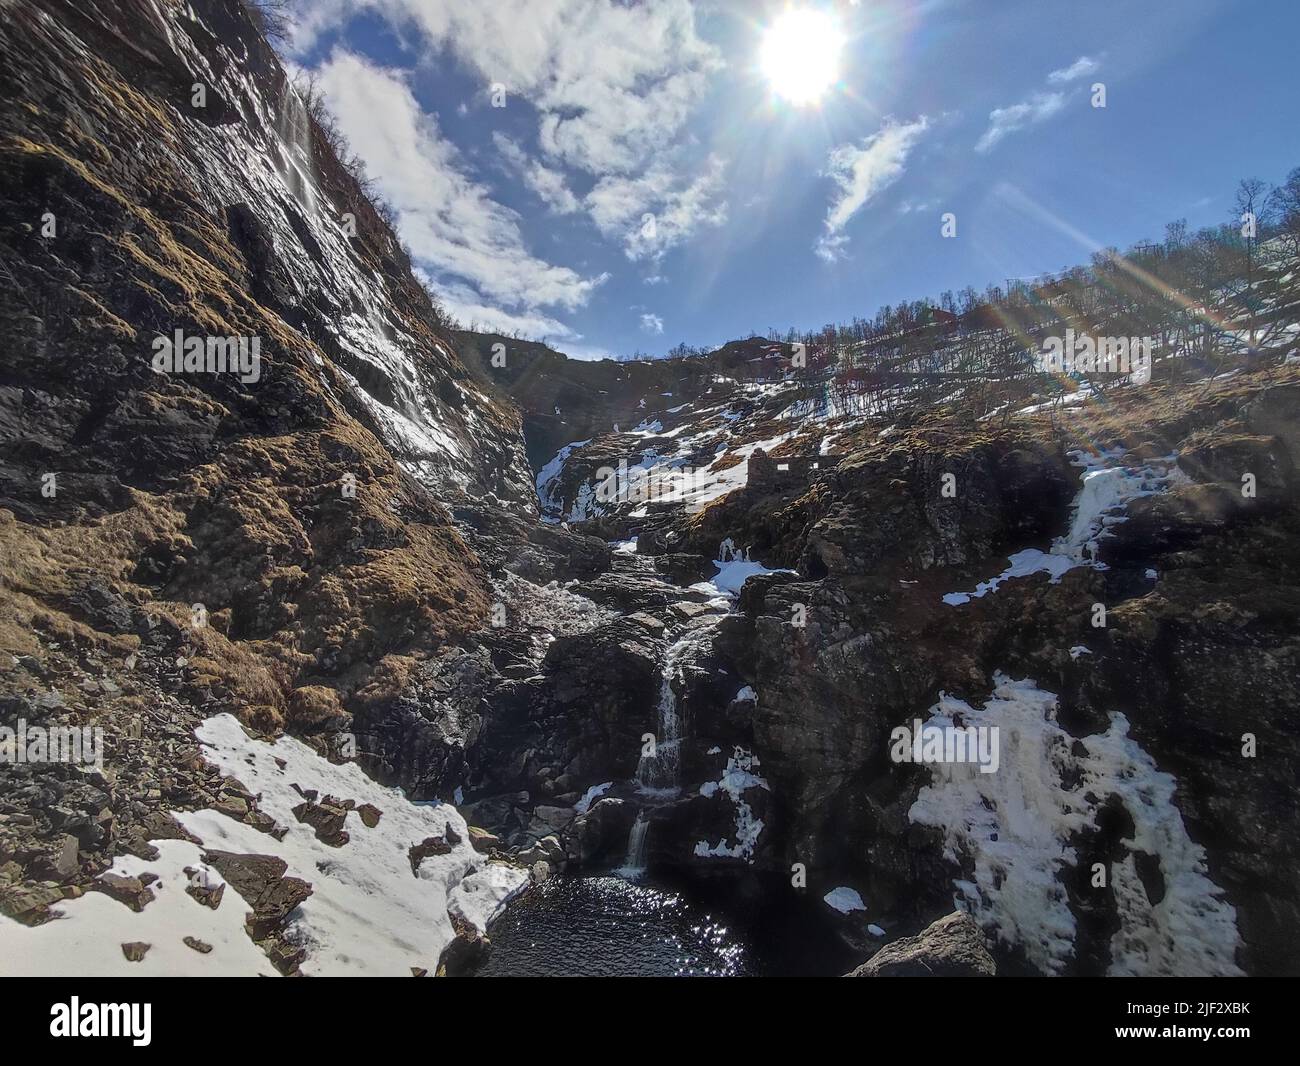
(737,779)
(732,576)
(86,936)
(591,795)
(1106,489)
(547,476)
(1016,829)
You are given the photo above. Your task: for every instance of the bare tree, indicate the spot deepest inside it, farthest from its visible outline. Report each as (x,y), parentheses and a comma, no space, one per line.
(1251,206)
(1284,202)
(272,17)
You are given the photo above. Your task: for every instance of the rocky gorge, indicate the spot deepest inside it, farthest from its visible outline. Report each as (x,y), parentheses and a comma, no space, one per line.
(366,628)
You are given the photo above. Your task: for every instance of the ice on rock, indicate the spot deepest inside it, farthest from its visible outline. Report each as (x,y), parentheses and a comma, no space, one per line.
(1015,832)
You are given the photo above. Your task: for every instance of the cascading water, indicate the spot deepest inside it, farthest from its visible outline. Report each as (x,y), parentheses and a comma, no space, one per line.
(634,861)
(658,776)
(293,126)
(661,772)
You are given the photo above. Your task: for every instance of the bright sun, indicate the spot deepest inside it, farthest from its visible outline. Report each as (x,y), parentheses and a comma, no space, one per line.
(800,56)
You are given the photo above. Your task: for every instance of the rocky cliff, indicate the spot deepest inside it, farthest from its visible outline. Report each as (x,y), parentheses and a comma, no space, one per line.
(234,426)
(1111,585)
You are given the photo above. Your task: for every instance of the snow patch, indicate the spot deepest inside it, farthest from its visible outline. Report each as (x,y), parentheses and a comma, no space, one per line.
(550,473)
(86,936)
(732,576)
(1015,831)
(1105,490)
(368,914)
(844,900)
(737,779)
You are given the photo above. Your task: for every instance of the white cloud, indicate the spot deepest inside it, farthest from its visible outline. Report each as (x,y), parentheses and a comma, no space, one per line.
(451,223)
(655,211)
(1039,107)
(1080,68)
(831,247)
(651,323)
(469,309)
(612,84)
(548,184)
(1007,120)
(588,352)
(908,207)
(862,171)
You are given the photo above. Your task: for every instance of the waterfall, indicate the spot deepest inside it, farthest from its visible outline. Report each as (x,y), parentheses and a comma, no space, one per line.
(661,771)
(634,862)
(659,775)
(293,126)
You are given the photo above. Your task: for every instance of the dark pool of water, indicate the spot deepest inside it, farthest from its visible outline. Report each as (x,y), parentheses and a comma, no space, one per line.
(610,926)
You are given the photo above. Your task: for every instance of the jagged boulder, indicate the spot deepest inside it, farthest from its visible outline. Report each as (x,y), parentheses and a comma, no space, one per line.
(683,568)
(953,946)
(261,881)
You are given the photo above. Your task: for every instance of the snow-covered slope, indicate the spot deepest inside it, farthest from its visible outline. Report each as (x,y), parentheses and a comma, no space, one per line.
(369,913)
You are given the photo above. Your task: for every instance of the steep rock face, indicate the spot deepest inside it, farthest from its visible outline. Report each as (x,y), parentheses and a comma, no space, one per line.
(562,400)
(273,537)
(886,511)
(243,222)
(160,175)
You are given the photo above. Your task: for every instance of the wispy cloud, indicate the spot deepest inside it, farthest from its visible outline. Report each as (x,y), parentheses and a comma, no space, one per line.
(455,229)
(469,309)
(1038,107)
(908,207)
(651,323)
(862,171)
(1080,68)
(1004,121)
(652,212)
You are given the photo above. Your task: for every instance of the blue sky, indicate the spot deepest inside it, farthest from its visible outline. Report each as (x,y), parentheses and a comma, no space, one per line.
(531,216)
